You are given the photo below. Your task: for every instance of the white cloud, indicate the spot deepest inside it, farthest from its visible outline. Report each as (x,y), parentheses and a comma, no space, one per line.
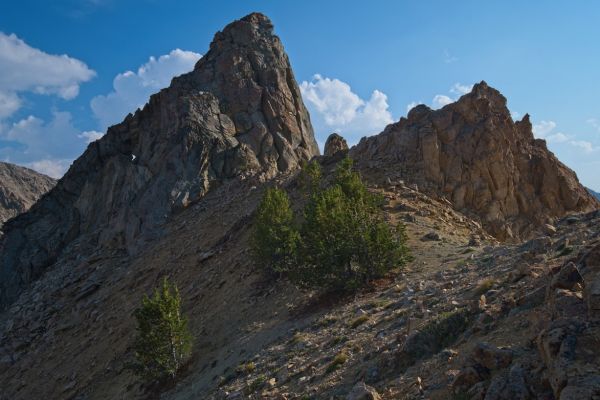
(9,103)
(460,89)
(27,69)
(412,105)
(543,128)
(586,146)
(441,100)
(90,136)
(456,90)
(52,167)
(558,137)
(335,107)
(133,89)
(46,146)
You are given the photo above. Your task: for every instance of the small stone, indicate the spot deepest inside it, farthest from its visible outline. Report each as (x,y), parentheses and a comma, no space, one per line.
(567,277)
(432,236)
(466,378)
(361,391)
(492,357)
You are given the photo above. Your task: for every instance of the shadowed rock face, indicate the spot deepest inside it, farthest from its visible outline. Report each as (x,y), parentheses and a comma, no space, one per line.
(19,189)
(472,153)
(238,113)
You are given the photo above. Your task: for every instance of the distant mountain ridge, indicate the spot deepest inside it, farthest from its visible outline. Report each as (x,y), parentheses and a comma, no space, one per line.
(20,188)
(594,193)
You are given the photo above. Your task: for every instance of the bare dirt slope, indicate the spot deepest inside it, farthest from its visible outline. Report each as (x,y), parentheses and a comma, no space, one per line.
(74,327)
(71,333)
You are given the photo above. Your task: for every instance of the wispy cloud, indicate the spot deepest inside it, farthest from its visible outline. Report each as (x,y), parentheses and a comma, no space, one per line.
(546,130)
(449,58)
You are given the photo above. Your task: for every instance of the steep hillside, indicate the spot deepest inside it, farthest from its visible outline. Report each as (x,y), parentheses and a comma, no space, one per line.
(172,190)
(595,194)
(238,113)
(472,153)
(19,189)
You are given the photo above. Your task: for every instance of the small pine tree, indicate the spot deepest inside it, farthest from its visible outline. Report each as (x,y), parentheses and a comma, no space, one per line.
(345,240)
(163,340)
(310,177)
(275,238)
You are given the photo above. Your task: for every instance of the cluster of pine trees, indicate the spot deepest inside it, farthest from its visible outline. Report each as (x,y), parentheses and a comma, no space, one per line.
(340,242)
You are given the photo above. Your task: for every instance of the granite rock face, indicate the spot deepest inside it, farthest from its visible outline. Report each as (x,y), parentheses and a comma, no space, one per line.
(335,144)
(19,188)
(239,112)
(473,154)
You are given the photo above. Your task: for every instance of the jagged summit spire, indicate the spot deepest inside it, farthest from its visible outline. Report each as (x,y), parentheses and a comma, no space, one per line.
(238,113)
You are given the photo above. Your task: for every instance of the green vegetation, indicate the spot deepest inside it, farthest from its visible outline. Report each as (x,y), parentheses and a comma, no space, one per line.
(275,240)
(343,242)
(257,384)
(163,341)
(484,286)
(359,321)
(337,340)
(337,361)
(249,367)
(563,250)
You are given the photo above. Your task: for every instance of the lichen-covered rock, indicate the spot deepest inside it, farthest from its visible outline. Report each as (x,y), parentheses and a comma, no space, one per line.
(19,188)
(472,153)
(239,112)
(335,144)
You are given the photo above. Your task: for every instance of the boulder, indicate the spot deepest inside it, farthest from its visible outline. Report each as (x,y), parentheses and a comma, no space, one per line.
(492,357)
(335,144)
(567,277)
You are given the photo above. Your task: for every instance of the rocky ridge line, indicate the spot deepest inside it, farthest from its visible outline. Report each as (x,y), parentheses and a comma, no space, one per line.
(473,154)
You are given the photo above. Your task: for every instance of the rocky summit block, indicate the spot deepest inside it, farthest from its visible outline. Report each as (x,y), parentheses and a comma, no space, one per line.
(335,144)
(19,188)
(239,112)
(472,153)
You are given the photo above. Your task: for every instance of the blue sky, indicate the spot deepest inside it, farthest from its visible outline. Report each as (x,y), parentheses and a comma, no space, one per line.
(69,68)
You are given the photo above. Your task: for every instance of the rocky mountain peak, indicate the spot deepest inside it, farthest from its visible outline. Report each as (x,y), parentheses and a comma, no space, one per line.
(472,153)
(19,188)
(238,114)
